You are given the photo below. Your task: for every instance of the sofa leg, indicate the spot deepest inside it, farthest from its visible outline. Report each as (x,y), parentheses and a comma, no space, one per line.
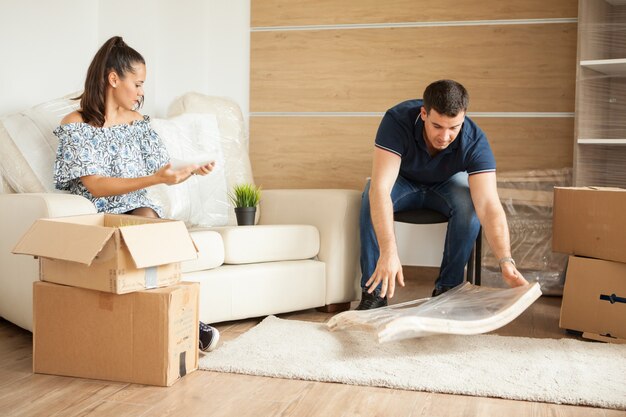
(334,308)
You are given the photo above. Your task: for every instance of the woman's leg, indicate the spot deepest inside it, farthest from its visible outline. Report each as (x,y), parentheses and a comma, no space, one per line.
(144,211)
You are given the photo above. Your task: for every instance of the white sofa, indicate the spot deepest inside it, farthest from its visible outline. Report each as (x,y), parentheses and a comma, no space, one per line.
(303,253)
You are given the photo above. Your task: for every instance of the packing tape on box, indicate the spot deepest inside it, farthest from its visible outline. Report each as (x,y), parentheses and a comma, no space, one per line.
(612,298)
(151,277)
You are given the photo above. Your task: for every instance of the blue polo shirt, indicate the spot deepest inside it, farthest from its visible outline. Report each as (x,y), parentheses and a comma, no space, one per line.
(402,132)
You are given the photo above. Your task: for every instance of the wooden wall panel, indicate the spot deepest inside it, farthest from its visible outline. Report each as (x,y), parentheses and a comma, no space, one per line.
(312,152)
(529,143)
(329,12)
(336,152)
(506,68)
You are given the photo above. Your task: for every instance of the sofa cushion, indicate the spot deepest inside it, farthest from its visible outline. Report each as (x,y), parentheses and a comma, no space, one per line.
(268,243)
(200,200)
(234,292)
(29,146)
(210,251)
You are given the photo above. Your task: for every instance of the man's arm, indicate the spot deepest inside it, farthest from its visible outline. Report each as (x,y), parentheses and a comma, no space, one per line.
(484,191)
(385,170)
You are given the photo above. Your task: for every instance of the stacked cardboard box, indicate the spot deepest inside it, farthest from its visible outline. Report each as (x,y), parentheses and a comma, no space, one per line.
(113,306)
(590,225)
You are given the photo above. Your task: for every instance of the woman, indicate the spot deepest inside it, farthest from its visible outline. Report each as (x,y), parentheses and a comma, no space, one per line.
(107,150)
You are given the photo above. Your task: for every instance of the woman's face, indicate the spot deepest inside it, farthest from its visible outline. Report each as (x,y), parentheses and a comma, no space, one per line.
(128,91)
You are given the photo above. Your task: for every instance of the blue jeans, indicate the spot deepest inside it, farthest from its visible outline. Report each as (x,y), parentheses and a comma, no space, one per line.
(452,199)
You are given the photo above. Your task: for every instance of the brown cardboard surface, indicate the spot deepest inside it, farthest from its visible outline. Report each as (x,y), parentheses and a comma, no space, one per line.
(147,247)
(590,221)
(108,252)
(146,337)
(67,241)
(592,298)
(107,277)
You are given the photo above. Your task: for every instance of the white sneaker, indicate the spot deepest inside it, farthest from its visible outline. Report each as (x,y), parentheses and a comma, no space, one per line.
(209,336)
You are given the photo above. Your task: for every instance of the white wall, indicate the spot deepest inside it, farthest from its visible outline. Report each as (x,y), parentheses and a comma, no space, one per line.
(189,45)
(45,48)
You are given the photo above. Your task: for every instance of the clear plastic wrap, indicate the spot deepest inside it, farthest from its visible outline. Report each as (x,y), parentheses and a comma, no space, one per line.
(233,137)
(600,152)
(527,200)
(465,310)
(28,146)
(5,188)
(200,200)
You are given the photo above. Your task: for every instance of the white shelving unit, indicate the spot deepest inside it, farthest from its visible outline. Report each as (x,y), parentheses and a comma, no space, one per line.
(582,141)
(612,67)
(599,149)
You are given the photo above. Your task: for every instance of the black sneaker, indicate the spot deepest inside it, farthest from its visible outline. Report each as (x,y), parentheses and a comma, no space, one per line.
(439,291)
(371,301)
(209,336)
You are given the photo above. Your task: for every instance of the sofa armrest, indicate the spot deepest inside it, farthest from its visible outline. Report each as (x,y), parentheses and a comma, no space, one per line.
(17,272)
(335,213)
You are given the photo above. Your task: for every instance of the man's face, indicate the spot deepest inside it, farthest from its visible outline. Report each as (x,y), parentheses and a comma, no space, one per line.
(440,130)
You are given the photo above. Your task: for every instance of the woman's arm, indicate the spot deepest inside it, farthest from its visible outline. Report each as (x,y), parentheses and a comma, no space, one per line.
(100,186)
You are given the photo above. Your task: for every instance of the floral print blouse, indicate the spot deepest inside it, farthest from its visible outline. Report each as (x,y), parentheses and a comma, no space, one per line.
(121,151)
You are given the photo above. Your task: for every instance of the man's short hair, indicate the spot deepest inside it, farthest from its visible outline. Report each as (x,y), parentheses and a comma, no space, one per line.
(447,97)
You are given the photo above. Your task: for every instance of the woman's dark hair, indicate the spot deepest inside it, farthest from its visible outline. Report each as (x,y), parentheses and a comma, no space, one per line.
(116,56)
(447,97)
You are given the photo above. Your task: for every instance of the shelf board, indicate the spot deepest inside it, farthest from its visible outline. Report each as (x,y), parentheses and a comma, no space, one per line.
(582,141)
(606,66)
(617,2)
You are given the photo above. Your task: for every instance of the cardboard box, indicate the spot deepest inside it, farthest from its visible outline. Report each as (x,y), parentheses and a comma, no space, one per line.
(594,299)
(590,221)
(109,252)
(145,337)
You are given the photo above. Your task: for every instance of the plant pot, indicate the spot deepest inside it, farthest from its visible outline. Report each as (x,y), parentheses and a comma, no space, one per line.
(245,215)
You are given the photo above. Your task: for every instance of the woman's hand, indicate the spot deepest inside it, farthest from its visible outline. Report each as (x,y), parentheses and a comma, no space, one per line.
(205,169)
(169,176)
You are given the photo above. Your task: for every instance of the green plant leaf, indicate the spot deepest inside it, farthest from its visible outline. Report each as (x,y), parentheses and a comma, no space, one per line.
(245,195)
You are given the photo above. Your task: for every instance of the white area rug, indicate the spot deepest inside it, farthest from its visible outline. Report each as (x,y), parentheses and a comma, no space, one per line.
(561,371)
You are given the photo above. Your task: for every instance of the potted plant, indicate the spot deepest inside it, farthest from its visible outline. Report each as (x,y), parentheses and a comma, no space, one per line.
(245,198)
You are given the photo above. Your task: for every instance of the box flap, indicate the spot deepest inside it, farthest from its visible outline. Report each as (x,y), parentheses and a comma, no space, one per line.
(591,188)
(66,241)
(158,243)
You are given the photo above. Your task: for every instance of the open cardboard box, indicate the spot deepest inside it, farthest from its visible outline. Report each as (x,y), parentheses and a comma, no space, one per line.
(109,252)
(145,337)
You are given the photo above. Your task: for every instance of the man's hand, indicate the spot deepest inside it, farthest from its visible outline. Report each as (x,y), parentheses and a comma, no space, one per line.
(512,276)
(388,269)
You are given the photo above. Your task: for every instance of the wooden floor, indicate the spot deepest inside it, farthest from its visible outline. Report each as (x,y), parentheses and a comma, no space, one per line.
(214,394)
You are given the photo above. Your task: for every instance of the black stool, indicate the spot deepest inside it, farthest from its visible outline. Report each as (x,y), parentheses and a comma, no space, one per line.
(428,216)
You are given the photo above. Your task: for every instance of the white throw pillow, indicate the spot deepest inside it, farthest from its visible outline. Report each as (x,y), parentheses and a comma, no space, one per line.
(28,146)
(200,200)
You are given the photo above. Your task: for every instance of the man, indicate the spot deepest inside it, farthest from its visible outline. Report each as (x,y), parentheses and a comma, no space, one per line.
(428,154)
